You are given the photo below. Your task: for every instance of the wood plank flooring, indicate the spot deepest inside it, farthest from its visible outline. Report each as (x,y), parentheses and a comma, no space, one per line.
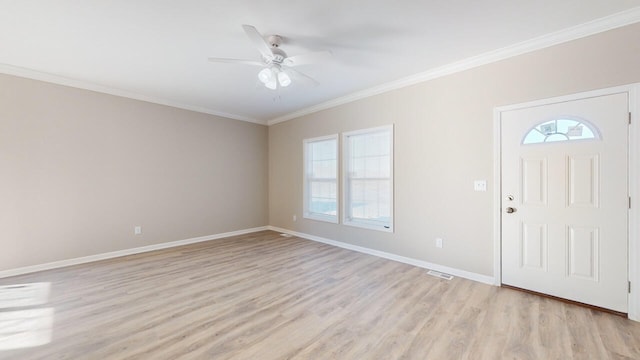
(263,296)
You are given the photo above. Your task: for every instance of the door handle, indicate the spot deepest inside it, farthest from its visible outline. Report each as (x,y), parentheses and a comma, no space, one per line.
(511,210)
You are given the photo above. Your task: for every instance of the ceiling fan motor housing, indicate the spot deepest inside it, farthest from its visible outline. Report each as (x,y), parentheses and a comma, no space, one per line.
(274,40)
(275,62)
(278,55)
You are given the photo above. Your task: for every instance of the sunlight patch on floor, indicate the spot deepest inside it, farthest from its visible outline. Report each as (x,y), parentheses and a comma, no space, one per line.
(25,327)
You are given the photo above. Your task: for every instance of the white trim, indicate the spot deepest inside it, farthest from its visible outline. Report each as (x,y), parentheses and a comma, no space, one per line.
(119,253)
(634,182)
(559,99)
(86,85)
(497,198)
(596,26)
(385,255)
(334,219)
(610,22)
(345,177)
(634,214)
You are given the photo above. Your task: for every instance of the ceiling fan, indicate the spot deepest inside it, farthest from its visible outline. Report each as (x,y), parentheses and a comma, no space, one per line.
(277,66)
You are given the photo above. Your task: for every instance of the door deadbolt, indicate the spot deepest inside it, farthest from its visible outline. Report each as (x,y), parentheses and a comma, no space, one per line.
(511,210)
(510,197)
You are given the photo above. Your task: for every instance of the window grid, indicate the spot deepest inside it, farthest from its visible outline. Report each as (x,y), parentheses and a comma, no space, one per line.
(558,130)
(368,195)
(320,174)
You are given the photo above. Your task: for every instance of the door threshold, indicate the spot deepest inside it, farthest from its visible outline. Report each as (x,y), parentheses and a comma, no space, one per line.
(567,301)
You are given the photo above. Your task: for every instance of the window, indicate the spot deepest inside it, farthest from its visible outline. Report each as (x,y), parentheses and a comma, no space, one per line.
(561,130)
(320,178)
(368,178)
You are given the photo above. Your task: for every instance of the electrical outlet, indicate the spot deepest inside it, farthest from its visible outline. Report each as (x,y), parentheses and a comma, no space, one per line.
(439,243)
(137,230)
(295,218)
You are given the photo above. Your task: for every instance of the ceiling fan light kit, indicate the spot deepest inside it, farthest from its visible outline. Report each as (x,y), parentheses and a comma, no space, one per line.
(275,61)
(273,76)
(284,79)
(266,75)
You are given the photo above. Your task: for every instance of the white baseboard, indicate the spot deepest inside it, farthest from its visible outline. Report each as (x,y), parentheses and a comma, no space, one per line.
(419,263)
(110,255)
(119,253)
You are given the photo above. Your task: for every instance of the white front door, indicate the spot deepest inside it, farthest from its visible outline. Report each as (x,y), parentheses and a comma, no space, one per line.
(565,199)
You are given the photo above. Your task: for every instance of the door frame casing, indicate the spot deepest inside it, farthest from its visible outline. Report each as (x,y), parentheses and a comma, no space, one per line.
(633,271)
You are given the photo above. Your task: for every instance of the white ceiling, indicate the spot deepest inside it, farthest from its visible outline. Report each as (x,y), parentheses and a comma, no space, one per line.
(157,49)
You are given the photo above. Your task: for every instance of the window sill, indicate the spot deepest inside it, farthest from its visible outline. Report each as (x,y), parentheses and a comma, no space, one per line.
(324,218)
(368,226)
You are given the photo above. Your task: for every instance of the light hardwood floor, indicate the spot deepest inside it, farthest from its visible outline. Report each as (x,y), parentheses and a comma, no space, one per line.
(263,296)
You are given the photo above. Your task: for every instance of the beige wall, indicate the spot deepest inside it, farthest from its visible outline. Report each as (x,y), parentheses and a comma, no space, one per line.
(443,142)
(79,169)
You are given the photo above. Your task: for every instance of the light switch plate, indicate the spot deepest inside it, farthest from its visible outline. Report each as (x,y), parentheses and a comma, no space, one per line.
(480,185)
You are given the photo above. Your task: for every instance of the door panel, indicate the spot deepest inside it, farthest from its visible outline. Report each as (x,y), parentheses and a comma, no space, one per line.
(582,252)
(584,180)
(534,246)
(567,233)
(534,181)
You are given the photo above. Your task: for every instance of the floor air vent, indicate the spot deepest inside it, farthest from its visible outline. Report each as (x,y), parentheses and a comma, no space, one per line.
(440,275)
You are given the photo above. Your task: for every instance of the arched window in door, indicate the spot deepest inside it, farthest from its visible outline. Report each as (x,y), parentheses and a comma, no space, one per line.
(561,130)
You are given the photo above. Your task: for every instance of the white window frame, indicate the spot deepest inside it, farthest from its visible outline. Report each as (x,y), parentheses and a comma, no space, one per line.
(306,203)
(346,178)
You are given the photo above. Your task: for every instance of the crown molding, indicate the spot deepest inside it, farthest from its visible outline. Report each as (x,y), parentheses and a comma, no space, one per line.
(80,84)
(593,27)
(611,22)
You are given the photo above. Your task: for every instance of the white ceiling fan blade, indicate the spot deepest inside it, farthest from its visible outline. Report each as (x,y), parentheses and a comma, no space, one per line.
(258,41)
(310,58)
(302,75)
(237,61)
